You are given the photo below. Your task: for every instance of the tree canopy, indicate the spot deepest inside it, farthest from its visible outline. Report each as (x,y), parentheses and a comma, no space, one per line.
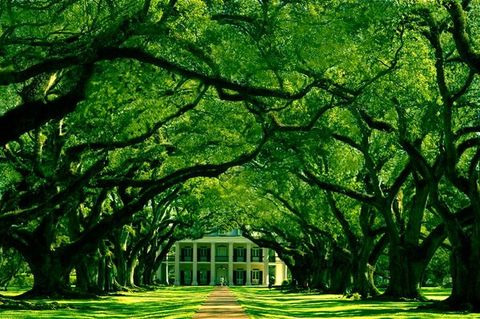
(335,132)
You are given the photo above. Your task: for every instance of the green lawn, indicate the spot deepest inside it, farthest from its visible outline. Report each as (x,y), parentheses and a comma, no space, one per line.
(181,302)
(171,303)
(264,303)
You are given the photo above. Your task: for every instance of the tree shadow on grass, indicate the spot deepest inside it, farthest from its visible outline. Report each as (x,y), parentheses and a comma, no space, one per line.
(115,310)
(336,308)
(316,309)
(168,303)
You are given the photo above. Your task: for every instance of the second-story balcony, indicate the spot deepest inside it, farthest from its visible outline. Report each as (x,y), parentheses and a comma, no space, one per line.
(239,254)
(221,258)
(186,258)
(203,258)
(239,259)
(257,258)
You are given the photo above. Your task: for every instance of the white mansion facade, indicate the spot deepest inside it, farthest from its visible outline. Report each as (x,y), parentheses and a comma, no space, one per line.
(220,258)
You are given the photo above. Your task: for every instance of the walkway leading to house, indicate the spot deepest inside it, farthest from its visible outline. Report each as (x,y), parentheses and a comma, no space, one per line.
(221,303)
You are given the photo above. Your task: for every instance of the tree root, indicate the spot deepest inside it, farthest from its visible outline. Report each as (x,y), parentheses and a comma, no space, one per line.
(403,299)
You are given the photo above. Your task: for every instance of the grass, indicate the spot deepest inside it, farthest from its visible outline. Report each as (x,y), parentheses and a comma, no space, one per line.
(169,302)
(182,302)
(264,303)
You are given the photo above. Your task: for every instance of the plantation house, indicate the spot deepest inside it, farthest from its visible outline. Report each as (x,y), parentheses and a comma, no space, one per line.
(220,258)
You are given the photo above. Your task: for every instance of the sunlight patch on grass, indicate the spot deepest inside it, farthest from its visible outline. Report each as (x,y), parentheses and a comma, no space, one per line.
(264,303)
(436,293)
(169,303)
(12,292)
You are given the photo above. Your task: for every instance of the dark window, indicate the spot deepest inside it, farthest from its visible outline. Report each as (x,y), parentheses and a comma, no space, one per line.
(203,254)
(271,255)
(186,254)
(222,253)
(239,254)
(257,254)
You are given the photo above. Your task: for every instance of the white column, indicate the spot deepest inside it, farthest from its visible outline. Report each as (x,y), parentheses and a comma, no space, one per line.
(279,272)
(265,267)
(285,275)
(166,269)
(177,264)
(212,264)
(249,264)
(194,266)
(230,264)
(159,273)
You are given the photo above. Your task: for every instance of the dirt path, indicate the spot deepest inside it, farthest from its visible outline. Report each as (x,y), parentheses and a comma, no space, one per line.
(221,303)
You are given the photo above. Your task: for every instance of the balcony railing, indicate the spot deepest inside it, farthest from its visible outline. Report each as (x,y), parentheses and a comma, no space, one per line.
(186,258)
(257,258)
(221,258)
(239,258)
(203,258)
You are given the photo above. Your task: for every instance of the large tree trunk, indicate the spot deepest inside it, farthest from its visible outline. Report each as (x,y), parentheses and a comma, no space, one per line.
(101,272)
(465,264)
(50,275)
(50,269)
(163,253)
(132,264)
(405,273)
(120,246)
(407,261)
(362,270)
(150,268)
(340,272)
(148,271)
(138,274)
(319,279)
(148,276)
(121,265)
(106,270)
(86,275)
(300,277)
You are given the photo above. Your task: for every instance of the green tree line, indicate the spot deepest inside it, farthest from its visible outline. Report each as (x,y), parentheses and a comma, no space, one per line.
(333,132)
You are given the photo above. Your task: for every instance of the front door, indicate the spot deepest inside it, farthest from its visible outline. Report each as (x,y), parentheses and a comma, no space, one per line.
(203,278)
(221,275)
(256,275)
(239,277)
(187,277)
